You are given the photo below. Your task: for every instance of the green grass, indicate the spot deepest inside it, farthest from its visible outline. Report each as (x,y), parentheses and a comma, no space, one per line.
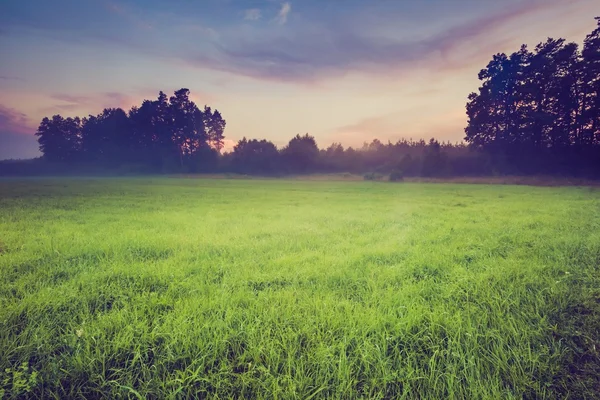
(179,288)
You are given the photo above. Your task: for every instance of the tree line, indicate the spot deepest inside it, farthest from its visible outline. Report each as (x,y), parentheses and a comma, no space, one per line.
(166,134)
(405,157)
(535,112)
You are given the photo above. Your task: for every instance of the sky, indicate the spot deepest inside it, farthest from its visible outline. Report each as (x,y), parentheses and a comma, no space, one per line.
(344,71)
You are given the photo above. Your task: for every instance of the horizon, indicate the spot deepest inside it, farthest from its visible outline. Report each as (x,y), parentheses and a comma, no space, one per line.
(274,69)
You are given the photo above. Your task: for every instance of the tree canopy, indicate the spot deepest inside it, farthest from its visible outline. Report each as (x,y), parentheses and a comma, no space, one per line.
(164,134)
(539,109)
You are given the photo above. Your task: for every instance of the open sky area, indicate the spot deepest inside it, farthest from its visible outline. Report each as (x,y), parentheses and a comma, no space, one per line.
(343,71)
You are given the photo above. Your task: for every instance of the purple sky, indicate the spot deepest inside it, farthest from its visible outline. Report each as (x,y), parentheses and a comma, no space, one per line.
(342,70)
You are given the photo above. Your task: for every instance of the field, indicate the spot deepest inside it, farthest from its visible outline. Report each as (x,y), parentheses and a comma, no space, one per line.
(225,288)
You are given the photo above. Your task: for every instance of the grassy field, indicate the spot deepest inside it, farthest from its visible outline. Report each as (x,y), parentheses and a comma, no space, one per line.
(184,288)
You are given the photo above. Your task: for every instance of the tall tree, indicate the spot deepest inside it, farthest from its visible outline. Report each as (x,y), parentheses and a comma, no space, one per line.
(60,138)
(549,80)
(590,75)
(186,120)
(107,137)
(215,127)
(495,115)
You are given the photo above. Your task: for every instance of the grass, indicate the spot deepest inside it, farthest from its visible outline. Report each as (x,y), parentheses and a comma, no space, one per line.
(196,288)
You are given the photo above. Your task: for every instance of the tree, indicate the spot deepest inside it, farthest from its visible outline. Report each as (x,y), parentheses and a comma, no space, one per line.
(301,154)
(60,138)
(163,134)
(188,132)
(153,130)
(538,111)
(590,81)
(434,161)
(143,135)
(215,126)
(564,94)
(332,158)
(495,114)
(255,157)
(106,138)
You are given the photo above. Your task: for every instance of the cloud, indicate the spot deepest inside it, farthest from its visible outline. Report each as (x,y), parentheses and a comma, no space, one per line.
(89,104)
(14,121)
(252,14)
(10,78)
(94,103)
(367,40)
(16,135)
(68,98)
(282,16)
(322,50)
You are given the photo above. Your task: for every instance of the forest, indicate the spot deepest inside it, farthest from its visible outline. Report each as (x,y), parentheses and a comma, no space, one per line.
(537,111)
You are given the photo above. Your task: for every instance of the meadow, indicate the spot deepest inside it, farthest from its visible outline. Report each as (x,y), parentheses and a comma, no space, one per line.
(290,289)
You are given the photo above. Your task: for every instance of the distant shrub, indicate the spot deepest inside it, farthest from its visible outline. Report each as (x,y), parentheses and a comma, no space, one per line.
(396,176)
(372,176)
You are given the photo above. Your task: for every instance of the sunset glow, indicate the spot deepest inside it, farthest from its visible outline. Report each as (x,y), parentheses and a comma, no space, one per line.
(342,71)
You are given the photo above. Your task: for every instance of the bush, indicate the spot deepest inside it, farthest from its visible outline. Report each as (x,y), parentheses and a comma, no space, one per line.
(396,176)
(372,176)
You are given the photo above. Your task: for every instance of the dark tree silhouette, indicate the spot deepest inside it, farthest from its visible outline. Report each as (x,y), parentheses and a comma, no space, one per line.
(187,126)
(434,160)
(215,127)
(333,158)
(106,138)
(301,154)
(256,157)
(539,111)
(60,138)
(166,134)
(590,82)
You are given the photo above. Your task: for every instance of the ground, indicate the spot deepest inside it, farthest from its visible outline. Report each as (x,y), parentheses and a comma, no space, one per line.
(220,288)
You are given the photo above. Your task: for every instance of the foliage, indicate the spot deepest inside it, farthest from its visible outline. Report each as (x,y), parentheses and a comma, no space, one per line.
(301,154)
(285,288)
(18,381)
(372,176)
(167,135)
(255,157)
(396,176)
(539,111)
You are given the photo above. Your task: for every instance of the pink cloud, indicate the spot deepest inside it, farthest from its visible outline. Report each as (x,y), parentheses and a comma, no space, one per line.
(93,104)
(14,121)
